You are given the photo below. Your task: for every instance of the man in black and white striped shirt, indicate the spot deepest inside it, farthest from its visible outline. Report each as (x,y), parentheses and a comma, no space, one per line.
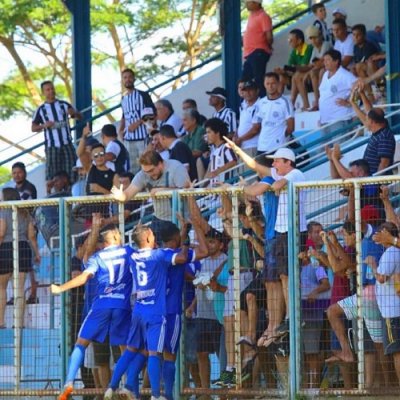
(132,129)
(218,101)
(52,117)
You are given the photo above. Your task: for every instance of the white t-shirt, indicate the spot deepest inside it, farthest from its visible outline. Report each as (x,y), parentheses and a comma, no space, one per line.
(281,224)
(386,297)
(247,114)
(273,116)
(175,121)
(346,48)
(338,86)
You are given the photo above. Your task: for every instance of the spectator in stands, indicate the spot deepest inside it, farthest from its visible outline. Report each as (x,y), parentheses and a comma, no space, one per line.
(156,175)
(319,12)
(222,158)
(284,170)
(156,145)
(79,187)
(343,42)
(116,152)
(335,89)
(370,253)
(382,145)
(363,50)
(340,13)
(167,116)
(225,114)
(100,179)
(132,129)
(60,185)
(292,74)
(275,116)
(178,150)
(387,275)
(52,117)
(257,44)
(316,68)
(191,104)
(194,132)
(26,189)
(248,131)
(27,243)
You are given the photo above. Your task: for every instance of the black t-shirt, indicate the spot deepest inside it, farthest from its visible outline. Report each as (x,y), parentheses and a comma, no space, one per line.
(27,191)
(362,54)
(102,178)
(181,152)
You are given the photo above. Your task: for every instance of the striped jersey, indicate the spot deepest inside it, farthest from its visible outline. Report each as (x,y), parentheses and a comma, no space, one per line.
(229,117)
(133,105)
(60,134)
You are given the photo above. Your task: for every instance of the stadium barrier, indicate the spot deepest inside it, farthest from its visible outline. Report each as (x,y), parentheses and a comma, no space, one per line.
(34,355)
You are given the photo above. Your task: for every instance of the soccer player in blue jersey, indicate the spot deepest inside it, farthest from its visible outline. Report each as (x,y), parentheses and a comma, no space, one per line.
(110,311)
(148,326)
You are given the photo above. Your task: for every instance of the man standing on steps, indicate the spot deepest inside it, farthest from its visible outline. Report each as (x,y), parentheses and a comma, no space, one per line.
(132,128)
(257,44)
(52,118)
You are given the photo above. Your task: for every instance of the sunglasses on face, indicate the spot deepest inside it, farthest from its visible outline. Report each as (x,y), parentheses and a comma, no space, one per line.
(97,155)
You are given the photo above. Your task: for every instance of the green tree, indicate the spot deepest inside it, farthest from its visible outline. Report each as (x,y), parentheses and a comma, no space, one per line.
(5,174)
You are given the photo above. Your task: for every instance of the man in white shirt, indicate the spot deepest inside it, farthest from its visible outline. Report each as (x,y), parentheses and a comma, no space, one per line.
(248,131)
(283,171)
(343,41)
(275,116)
(335,89)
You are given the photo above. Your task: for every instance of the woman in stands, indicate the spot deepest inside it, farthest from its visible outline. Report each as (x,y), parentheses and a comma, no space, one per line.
(27,243)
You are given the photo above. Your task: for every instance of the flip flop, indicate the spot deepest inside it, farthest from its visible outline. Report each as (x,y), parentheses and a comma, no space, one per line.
(336,360)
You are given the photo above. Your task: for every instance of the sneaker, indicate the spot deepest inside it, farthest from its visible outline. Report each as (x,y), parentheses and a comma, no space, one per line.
(32,300)
(245,340)
(67,391)
(221,379)
(10,302)
(125,393)
(109,394)
(229,379)
(283,328)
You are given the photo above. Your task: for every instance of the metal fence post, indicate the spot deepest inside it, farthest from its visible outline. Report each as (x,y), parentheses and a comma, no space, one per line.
(294,294)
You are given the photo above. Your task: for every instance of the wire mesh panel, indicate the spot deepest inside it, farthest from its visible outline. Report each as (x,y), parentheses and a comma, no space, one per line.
(342,347)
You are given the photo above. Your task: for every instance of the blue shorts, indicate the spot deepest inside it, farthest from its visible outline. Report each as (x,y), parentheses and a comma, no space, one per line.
(147,333)
(102,322)
(173,333)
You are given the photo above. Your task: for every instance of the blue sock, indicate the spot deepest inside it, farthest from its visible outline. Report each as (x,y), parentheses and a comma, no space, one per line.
(75,361)
(169,378)
(120,368)
(154,371)
(132,381)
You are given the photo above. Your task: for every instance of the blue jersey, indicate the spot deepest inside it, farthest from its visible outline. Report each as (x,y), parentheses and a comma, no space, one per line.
(369,248)
(111,268)
(150,270)
(270,208)
(175,282)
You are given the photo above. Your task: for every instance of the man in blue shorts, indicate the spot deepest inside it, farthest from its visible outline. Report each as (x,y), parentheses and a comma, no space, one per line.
(110,311)
(148,327)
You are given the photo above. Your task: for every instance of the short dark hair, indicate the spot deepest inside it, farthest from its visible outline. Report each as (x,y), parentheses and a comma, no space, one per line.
(256,207)
(192,103)
(130,70)
(126,174)
(61,174)
(363,164)
(218,126)
(390,227)
(298,33)
(109,130)
(377,115)
(97,145)
(166,103)
(168,131)
(316,7)
(272,75)
(335,55)
(150,157)
(44,83)
(349,227)
(339,21)
(361,28)
(169,232)
(10,194)
(311,225)
(19,165)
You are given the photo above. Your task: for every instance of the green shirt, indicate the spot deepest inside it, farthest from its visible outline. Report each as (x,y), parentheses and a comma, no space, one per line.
(195,140)
(302,57)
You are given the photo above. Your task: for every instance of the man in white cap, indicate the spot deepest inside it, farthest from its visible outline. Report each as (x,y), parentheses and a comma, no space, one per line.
(283,171)
(222,112)
(257,43)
